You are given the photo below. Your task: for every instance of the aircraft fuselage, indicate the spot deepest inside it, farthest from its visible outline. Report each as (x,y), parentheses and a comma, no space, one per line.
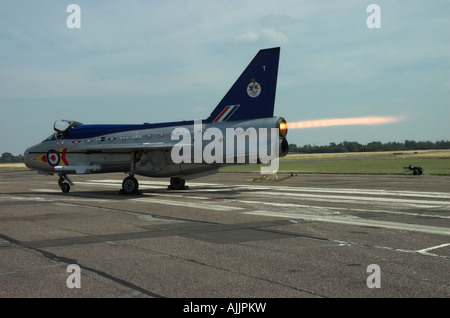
(150,152)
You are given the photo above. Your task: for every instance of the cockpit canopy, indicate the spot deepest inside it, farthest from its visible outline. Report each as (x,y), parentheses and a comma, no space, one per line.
(62,129)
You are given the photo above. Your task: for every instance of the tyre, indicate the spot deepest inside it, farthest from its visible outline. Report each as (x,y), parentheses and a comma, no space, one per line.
(65,187)
(177,183)
(130,185)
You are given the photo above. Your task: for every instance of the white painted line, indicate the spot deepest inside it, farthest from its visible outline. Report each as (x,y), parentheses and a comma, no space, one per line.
(147,199)
(425,250)
(46,190)
(436,195)
(414,194)
(357,221)
(19,198)
(357,199)
(204,206)
(403,213)
(322,208)
(59,199)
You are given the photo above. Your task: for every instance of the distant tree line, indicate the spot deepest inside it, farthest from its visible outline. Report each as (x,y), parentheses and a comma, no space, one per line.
(9,158)
(352,146)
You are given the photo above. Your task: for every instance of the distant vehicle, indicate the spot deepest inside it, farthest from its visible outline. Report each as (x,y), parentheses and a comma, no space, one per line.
(415,170)
(147,149)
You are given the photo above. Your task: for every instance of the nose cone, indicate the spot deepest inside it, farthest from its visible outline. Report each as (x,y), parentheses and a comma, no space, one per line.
(27,158)
(31,156)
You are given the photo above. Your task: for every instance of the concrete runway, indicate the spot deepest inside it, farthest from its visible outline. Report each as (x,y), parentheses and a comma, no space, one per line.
(308,236)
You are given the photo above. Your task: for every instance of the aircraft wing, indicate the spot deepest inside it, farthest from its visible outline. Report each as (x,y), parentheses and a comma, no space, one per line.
(127,148)
(117,148)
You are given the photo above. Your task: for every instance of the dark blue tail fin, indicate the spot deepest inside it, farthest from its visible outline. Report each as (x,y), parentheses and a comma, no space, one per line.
(253,94)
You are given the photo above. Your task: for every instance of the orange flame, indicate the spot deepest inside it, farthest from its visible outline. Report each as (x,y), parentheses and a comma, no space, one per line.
(370,120)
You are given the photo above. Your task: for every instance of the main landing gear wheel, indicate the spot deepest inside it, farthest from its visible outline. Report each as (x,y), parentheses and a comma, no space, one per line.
(177,184)
(130,185)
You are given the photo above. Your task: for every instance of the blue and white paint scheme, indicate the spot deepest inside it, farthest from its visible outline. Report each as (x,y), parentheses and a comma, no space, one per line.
(241,129)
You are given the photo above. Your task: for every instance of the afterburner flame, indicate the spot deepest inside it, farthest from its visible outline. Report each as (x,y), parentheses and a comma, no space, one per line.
(370,120)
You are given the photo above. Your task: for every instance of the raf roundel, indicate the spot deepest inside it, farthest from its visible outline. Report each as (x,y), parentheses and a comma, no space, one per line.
(253,89)
(53,158)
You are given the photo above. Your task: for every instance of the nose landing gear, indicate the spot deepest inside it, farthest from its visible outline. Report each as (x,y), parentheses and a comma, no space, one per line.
(64,183)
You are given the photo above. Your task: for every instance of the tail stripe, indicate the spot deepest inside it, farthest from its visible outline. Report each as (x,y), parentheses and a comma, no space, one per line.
(226,113)
(221,114)
(231,112)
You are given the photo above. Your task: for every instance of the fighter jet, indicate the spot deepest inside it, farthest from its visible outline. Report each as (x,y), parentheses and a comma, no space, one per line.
(240,130)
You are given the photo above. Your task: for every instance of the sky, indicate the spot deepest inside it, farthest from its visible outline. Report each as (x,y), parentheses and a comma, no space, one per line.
(169,60)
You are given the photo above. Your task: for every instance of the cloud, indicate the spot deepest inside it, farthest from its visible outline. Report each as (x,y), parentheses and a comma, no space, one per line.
(248,37)
(274,36)
(266,34)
